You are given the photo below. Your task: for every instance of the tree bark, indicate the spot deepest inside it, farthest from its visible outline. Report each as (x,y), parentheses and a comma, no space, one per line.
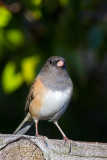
(21,147)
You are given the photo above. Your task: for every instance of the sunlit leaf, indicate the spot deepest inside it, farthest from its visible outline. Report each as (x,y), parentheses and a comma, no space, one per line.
(28,68)
(15,37)
(10,79)
(5,16)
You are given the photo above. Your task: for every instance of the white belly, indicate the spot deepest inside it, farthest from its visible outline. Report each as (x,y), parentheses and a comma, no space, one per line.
(54,104)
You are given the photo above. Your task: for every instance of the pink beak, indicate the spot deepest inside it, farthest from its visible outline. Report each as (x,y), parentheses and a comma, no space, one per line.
(60,63)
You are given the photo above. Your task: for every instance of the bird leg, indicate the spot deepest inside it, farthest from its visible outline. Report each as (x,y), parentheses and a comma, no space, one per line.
(36,126)
(63,134)
(37,134)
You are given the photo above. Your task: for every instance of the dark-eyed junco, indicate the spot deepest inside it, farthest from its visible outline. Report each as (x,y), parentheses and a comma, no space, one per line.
(49,95)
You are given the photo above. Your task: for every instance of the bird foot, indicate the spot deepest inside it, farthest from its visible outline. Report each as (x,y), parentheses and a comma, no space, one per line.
(67,139)
(37,135)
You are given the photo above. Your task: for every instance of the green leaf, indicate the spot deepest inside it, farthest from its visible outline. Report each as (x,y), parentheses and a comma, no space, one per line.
(5,16)
(15,37)
(28,68)
(10,79)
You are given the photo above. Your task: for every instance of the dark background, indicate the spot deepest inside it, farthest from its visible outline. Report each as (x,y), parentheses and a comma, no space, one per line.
(30,32)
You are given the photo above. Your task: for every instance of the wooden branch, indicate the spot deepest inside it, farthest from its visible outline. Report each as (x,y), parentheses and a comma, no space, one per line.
(18,147)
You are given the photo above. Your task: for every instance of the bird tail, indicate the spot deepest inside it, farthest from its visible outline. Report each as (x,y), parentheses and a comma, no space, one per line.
(25,125)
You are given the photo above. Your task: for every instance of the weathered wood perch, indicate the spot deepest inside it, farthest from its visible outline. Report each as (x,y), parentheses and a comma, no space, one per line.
(18,147)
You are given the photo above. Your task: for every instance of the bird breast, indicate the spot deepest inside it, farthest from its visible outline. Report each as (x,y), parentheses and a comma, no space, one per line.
(54,104)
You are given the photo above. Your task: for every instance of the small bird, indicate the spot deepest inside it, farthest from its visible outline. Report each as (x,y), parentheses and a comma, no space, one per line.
(49,95)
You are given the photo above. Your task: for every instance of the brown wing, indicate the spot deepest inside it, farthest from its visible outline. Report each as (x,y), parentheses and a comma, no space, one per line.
(29,98)
(34,98)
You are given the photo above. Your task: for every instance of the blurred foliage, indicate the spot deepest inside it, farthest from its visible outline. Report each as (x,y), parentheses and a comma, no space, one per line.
(30,32)
(14,79)
(15,37)
(5,16)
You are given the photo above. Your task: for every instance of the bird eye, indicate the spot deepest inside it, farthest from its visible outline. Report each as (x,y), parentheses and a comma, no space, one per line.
(50,61)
